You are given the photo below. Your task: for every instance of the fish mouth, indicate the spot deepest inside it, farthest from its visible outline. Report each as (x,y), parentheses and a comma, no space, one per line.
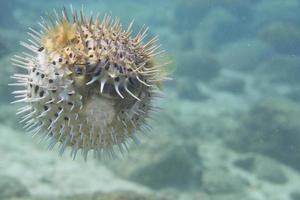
(100,111)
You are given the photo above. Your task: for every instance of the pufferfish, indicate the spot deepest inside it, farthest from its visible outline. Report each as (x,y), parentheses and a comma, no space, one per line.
(89,85)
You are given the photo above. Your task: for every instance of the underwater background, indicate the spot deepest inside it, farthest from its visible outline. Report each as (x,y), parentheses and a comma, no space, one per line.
(229,128)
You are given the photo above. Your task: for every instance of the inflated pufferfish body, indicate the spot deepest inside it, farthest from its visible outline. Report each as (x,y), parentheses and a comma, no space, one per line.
(89,84)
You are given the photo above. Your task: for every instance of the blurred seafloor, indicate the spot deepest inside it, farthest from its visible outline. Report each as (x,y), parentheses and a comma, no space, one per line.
(230,128)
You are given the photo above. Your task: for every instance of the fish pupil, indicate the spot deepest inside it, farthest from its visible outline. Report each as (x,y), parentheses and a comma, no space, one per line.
(78,70)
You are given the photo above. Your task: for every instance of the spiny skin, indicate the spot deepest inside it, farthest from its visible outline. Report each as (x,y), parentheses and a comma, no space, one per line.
(89,84)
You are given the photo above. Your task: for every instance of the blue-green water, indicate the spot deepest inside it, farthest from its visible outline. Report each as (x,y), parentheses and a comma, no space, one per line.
(230,124)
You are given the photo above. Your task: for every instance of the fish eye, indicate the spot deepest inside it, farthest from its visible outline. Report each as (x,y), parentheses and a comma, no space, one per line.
(78,70)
